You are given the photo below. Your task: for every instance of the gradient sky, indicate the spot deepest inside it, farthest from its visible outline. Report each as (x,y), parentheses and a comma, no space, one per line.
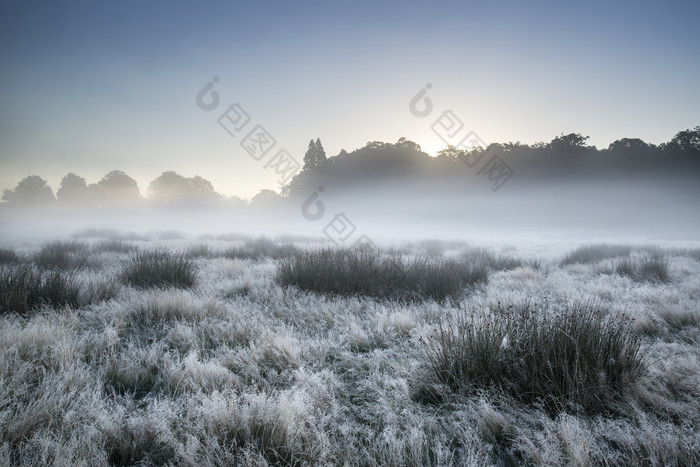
(89,87)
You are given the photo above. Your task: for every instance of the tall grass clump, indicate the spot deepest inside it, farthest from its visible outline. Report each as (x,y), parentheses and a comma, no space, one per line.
(8,255)
(65,255)
(492,261)
(159,268)
(578,357)
(25,288)
(589,254)
(114,245)
(368,273)
(653,267)
(259,248)
(200,250)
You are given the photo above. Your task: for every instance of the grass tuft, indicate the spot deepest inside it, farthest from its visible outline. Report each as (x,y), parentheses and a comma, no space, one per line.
(64,255)
(24,289)
(492,261)
(589,254)
(8,256)
(259,248)
(578,357)
(114,245)
(652,267)
(159,268)
(200,250)
(367,273)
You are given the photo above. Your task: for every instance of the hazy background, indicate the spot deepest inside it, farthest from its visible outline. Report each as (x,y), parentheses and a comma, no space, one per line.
(89,88)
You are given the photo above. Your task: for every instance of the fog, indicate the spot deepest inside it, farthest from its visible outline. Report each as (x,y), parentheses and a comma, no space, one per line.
(565,212)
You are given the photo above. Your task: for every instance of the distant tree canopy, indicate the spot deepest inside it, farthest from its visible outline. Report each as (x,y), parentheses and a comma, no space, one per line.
(116,188)
(572,140)
(265,198)
(73,190)
(626,145)
(686,141)
(31,191)
(375,160)
(565,156)
(172,188)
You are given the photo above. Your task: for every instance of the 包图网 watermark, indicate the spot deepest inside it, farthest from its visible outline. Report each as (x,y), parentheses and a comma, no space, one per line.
(339,229)
(258,142)
(451,130)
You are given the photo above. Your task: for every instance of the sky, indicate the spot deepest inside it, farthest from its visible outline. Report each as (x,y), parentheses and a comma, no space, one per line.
(91,87)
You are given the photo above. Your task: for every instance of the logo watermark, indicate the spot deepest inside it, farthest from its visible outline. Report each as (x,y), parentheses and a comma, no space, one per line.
(258,142)
(339,229)
(451,130)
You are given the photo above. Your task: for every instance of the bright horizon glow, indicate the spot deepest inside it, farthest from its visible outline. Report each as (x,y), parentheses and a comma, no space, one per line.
(90,89)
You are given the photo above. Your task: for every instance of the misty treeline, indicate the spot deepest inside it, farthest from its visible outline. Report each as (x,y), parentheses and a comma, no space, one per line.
(566,157)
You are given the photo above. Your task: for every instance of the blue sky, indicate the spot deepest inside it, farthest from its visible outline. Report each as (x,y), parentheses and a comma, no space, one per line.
(90,87)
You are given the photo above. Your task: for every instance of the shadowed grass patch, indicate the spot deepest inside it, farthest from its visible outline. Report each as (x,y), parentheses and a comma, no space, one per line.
(114,245)
(70,254)
(8,255)
(367,273)
(159,268)
(652,267)
(589,254)
(24,289)
(259,248)
(494,262)
(200,250)
(578,357)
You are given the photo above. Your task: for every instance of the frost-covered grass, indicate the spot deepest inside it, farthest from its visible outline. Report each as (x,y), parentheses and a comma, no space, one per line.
(114,245)
(587,254)
(368,273)
(238,369)
(25,288)
(579,357)
(258,248)
(8,255)
(159,268)
(64,255)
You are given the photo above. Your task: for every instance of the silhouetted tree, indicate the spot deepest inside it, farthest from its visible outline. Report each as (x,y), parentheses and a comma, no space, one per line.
(315,155)
(572,140)
(32,190)
(625,145)
(170,187)
(203,189)
(265,198)
(236,202)
(73,190)
(686,141)
(116,188)
(407,145)
(450,153)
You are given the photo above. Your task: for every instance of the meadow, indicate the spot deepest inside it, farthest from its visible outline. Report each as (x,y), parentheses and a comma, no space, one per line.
(131,349)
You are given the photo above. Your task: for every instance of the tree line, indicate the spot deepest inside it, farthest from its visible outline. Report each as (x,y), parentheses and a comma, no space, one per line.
(115,188)
(563,157)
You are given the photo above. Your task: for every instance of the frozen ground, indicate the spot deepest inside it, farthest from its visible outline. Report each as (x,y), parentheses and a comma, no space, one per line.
(239,369)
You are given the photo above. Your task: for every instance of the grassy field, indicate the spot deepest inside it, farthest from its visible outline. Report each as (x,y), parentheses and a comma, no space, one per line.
(121,350)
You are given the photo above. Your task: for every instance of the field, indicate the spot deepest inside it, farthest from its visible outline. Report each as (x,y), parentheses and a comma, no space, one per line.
(124,349)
